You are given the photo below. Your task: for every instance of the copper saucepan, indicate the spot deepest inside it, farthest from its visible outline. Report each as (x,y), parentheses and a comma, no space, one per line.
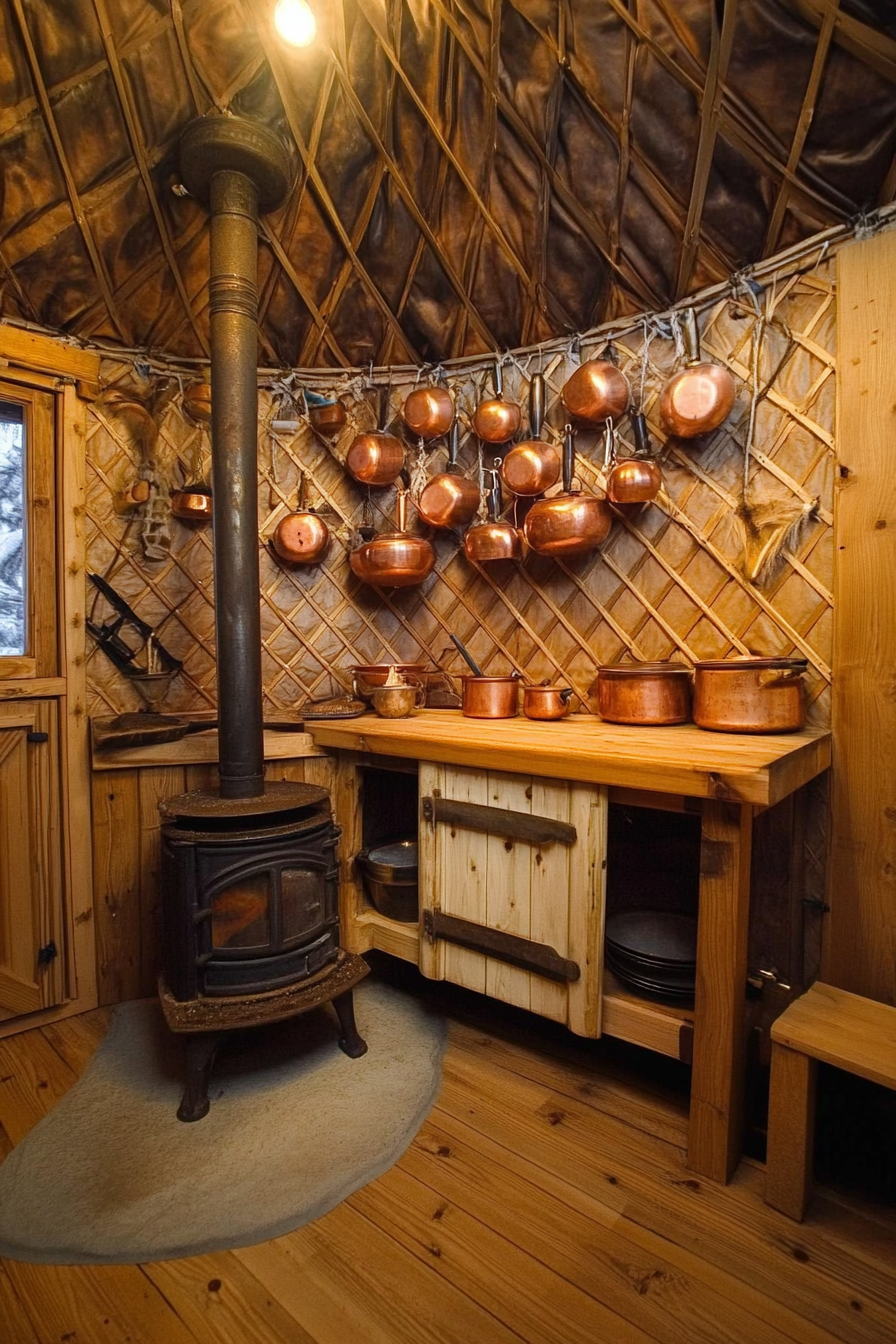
(546,702)
(394,559)
(328,417)
(635,480)
(597,391)
(531,467)
(497,420)
(428,412)
(449,499)
(375,457)
(697,400)
(301,537)
(494,538)
(571,523)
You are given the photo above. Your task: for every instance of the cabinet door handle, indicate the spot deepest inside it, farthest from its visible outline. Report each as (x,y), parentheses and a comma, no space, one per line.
(510,947)
(533,830)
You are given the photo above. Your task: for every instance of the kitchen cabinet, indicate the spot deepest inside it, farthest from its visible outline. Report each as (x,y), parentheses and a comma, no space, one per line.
(32,967)
(726,779)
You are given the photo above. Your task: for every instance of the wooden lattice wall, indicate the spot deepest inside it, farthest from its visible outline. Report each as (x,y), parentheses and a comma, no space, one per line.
(671,582)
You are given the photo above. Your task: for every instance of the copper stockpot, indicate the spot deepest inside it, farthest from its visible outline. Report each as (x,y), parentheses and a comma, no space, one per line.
(428,412)
(394,559)
(546,702)
(302,537)
(494,539)
(449,499)
(497,420)
(328,417)
(697,400)
(571,523)
(375,457)
(643,693)
(531,467)
(750,695)
(491,697)
(597,391)
(635,480)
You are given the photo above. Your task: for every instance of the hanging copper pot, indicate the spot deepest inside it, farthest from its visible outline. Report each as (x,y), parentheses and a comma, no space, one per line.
(597,391)
(497,420)
(531,467)
(570,523)
(328,417)
(449,499)
(495,538)
(197,403)
(634,480)
(302,537)
(193,502)
(394,559)
(374,456)
(428,412)
(699,398)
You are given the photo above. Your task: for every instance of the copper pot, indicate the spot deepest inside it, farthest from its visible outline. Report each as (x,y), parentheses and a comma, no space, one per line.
(491,697)
(197,403)
(449,499)
(635,480)
(494,539)
(328,417)
(428,412)
(302,537)
(375,457)
(750,695)
(366,677)
(700,398)
(597,391)
(193,502)
(546,702)
(394,559)
(531,467)
(643,693)
(571,523)
(497,420)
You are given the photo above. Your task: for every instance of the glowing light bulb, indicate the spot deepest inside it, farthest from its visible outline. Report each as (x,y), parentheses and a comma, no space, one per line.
(295,22)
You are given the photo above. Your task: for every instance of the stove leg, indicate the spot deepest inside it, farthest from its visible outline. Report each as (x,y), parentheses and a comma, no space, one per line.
(349,1042)
(201,1051)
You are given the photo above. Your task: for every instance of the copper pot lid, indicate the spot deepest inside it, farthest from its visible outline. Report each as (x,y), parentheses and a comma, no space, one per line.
(744,662)
(623,671)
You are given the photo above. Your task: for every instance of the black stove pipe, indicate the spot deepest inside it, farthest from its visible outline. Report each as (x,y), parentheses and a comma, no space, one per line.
(239,169)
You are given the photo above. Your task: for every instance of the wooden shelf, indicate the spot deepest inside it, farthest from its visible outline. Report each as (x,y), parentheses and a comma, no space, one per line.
(646,1022)
(389,935)
(683,760)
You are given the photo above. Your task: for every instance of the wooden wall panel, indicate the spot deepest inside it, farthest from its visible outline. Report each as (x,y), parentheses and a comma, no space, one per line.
(861,949)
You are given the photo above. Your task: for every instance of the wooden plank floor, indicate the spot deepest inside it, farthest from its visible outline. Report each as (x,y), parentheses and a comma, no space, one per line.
(545,1199)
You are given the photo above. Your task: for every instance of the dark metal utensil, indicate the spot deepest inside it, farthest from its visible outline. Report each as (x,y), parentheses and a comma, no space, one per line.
(468,659)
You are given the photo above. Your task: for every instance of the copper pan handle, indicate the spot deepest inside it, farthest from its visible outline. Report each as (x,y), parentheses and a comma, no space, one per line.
(779,676)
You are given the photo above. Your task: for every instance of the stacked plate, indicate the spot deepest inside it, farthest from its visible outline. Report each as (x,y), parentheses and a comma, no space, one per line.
(653,952)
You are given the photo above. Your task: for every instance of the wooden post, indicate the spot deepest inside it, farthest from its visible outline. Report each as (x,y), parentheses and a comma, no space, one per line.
(860,950)
(716,1125)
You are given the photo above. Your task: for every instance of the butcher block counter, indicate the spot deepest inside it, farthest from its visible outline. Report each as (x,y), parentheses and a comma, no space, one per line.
(554,895)
(682,759)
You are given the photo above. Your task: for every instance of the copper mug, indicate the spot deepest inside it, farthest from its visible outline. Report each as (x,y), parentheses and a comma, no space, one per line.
(397,702)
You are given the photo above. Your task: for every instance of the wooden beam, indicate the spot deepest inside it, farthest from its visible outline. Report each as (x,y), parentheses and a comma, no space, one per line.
(34,351)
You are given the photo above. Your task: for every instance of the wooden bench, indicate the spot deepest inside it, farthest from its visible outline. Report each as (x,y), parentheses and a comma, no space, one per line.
(827,1024)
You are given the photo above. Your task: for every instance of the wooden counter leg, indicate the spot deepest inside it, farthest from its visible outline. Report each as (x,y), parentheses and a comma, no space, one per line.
(717,1083)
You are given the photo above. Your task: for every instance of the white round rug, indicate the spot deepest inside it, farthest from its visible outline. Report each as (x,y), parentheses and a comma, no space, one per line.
(112,1176)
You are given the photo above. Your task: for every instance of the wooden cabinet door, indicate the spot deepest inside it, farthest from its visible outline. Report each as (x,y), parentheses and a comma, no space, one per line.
(547,893)
(32,973)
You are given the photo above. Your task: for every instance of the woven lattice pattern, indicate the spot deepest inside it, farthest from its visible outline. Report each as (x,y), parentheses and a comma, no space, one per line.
(677,580)
(470,176)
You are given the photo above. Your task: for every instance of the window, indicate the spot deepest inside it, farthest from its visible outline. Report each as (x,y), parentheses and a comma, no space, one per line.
(28,597)
(12,529)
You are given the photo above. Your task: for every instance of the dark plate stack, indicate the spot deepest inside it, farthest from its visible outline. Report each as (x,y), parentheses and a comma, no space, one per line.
(653,952)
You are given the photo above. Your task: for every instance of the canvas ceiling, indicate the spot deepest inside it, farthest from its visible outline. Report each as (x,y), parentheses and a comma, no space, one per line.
(472,175)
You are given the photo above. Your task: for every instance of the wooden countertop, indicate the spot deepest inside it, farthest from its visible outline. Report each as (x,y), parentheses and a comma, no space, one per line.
(682,759)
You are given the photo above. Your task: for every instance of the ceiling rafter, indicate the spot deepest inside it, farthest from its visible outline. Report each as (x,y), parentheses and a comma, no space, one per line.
(99,266)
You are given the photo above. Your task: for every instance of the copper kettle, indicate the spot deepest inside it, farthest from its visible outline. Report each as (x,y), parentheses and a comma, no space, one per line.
(531,467)
(493,538)
(375,457)
(302,537)
(597,391)
(699,398)
(570,523)
(634,480)
(428,412)
(449,499)
(497,420)
(394,559)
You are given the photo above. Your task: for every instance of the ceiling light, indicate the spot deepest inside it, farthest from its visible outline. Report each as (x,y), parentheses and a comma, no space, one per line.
(295,22)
